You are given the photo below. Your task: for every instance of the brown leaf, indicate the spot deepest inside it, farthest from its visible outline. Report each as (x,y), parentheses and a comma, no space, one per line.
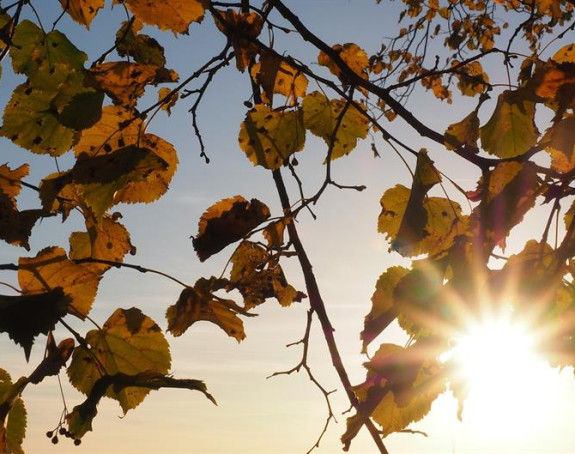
(226,222)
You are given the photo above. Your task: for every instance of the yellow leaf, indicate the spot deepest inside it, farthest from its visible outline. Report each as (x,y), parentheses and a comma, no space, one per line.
(226,222)
(560,144)
(105,239)
(199,304)
(155,183)
(466,132)
(82,11)
(174,15)
(382,311)
(277,76)
(10,180)
(167,98)
(353,55)
(511,130)
(269,137)
(565,55)
(125,82)
(321,116)
(128,343)
(51,269)
(236,26)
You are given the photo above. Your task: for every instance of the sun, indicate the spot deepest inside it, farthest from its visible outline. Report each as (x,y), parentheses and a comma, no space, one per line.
(497,362)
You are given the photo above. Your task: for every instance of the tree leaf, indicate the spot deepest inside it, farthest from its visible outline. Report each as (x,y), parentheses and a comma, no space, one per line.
(125,82)
(239,28)
(441,219)
(511,193)
(560,144)
(268,137)
(258,276)
(353,55)
(198,303)
(128,343)
(51,269)
(321,116)
(226,222)
(511,130)
(174,15)
(106,239)
(276,76)
(12,415)
(82,11)
(15,226)
(466,132)
(34,50)
(25,316)
(382,311)
(142,48)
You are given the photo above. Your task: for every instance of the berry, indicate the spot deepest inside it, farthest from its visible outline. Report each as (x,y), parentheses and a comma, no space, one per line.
(77,442)
(62,431)
(55,439)
(49,434)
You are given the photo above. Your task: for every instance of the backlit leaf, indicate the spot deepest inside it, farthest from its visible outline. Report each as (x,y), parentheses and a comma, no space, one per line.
(236,26)
(511,193)
(258,276)
(277,76)
(128,343)
(105,239)
(31,121)
(226,222)
(167,98)
(353,55)
(321,116)
(466,132)
(511,129)
(472,79)
(440,216)
(142,48)
(153,184)
(125,82)
(174,15)
(13,422)
(382,311)
(51,269)
(198,303)
(565,55)
(82,11)
(34,49)
(269,137)
(560,144)
(23,317)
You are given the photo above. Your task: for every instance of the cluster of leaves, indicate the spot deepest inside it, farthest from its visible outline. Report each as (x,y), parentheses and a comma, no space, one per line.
(95,113)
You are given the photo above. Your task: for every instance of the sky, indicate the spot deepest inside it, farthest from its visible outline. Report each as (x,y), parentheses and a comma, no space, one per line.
(257,414)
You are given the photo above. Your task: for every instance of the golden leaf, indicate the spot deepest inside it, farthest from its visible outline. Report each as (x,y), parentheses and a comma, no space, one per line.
(82,11)
(277,76)
(51,269)
(174,15)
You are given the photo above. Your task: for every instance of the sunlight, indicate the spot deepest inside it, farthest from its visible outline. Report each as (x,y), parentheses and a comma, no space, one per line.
(510,387)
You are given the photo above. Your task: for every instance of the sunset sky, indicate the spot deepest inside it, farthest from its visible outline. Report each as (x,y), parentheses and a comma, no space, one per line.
(533,411)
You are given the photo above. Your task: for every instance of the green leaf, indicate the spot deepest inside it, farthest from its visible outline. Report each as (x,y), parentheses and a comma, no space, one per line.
(33,49)
(24,317)
(382,310)
(226,222)
(511,130)
(12,414)
(83,110)
(128,343)
(268,137)
(16,427)
(321,116)
(142,48)
(31,121)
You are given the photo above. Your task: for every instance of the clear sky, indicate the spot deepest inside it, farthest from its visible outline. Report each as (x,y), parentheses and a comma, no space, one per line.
(285,414)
